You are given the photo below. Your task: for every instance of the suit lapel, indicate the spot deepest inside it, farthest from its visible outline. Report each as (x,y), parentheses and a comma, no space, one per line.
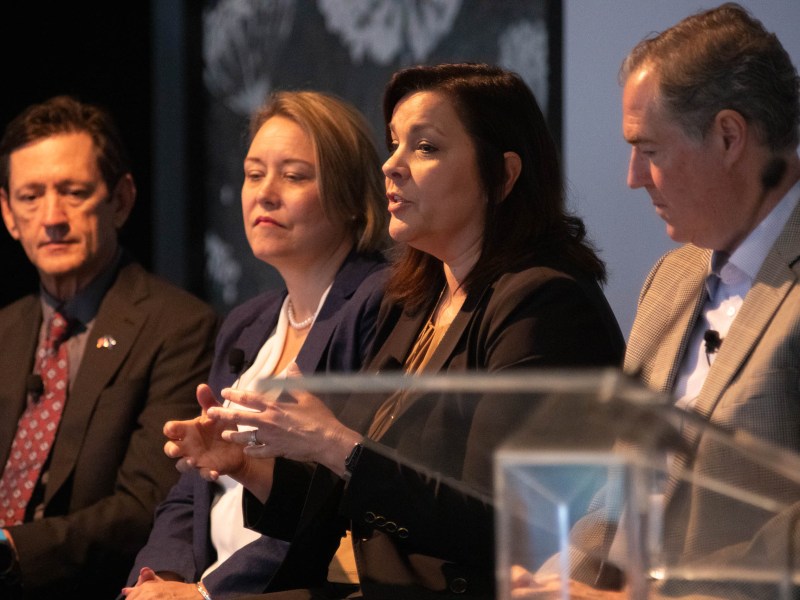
(772,284)
(349,277)
(20,339)
(457,329)
(665,321)
(117,317)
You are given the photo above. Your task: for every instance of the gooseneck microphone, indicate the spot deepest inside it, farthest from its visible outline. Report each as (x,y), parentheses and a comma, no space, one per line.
(34,386)
(236,360)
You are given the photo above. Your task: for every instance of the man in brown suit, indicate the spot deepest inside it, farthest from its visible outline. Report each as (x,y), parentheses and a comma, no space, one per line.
(711,111)
(81,461)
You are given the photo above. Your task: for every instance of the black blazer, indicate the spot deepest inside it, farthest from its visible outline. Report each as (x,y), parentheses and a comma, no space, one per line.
(410,527)
(107,468)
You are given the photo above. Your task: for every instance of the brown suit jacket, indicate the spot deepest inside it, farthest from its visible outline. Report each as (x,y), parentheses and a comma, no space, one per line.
(752,389)
(107,469)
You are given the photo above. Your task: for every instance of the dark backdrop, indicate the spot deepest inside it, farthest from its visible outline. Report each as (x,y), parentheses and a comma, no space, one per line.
(101,53)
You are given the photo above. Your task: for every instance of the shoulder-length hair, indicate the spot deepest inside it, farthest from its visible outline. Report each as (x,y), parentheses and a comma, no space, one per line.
(500,114)
(350,180)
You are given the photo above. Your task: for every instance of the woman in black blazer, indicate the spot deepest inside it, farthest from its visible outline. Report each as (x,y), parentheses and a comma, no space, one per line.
(492,274)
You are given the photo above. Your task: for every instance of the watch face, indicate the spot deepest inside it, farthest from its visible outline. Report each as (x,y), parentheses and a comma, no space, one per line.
(352,458)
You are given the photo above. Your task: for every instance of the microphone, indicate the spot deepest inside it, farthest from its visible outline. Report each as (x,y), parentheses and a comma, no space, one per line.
(712,340)
(236,360)
(34,386)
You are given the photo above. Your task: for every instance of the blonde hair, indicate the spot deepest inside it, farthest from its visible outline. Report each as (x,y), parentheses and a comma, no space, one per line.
(349,172)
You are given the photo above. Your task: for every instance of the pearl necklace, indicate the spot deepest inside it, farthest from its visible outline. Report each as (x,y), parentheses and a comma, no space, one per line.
(298,325)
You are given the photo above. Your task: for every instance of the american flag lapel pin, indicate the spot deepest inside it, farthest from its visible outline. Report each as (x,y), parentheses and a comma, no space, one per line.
(106,341)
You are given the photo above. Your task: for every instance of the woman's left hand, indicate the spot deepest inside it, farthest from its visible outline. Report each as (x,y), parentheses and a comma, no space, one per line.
(297,426)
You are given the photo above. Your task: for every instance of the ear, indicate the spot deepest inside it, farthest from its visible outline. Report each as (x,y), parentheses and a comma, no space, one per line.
(513,167)
(8,216)
(732,131)
(123,198)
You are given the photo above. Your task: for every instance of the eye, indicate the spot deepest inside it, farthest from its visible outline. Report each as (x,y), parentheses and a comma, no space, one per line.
(253,176)
(393,146)
(426,148)
(295,176)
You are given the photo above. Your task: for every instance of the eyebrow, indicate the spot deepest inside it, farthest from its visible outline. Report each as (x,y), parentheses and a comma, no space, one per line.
(288,161)
(420,126)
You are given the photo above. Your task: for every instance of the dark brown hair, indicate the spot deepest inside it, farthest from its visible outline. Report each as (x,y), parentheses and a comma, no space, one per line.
(62,115)
(500,114)
(720,59)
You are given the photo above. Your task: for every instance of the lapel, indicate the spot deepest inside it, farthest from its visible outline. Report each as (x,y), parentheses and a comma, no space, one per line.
(20,339)
(776,277)
(666,317)
(119,317)
(350,275)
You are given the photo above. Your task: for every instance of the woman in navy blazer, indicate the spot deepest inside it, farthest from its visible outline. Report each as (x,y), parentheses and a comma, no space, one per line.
(494,275)
(313,209)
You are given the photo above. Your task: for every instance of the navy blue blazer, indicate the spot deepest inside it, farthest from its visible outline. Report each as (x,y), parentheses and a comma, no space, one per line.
(338,341)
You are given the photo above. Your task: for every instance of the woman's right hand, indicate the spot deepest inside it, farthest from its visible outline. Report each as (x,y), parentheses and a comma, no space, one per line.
(198,444)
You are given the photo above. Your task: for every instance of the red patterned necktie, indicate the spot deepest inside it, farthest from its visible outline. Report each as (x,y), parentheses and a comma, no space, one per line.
(37,426)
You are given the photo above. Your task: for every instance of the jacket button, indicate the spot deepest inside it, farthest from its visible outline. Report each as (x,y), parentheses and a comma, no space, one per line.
(458,585)
(390,526)
(402,533)
(369,517)
(380,521)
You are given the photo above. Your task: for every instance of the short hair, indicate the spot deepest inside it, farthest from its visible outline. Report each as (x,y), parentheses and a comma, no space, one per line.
(63,115)
(720,59)
(350,179)
(500,114)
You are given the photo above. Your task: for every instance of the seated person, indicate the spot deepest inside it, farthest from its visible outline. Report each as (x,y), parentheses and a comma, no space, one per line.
(313,208)
(91,365)
(493,275)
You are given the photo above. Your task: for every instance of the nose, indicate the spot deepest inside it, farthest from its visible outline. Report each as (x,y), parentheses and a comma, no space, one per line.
(394,168)
(54,213)
(267,193)
(638,170)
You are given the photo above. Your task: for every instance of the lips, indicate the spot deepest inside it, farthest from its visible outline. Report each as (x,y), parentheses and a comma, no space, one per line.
(267,221)
(396,201)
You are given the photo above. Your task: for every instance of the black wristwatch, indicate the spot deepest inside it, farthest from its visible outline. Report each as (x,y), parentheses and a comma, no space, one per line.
(351,461)
(8,557)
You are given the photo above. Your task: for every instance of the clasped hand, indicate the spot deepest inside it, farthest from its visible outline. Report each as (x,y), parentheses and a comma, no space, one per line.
(295,425)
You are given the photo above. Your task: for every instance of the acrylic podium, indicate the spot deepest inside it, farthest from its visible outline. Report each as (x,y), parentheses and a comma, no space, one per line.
(680,508)
(565,484)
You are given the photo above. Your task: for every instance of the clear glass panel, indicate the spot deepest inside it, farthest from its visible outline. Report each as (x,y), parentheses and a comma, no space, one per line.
(573,480)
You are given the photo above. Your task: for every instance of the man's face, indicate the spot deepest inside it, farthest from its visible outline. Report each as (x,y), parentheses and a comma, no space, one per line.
(60,209)
(684,177)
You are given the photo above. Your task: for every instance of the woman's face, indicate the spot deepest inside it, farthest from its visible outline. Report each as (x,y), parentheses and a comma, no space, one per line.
(283,217)
(436,200)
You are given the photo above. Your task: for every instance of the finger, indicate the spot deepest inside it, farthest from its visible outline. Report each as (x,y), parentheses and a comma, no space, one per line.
(184,465)
(173,450)
(174,430)
(260,451)
(205,397)
(208,474)
(243,438)
(230,416)
(254,400)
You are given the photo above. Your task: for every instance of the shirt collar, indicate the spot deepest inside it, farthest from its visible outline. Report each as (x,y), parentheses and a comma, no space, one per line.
(83,306)
(751,253)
